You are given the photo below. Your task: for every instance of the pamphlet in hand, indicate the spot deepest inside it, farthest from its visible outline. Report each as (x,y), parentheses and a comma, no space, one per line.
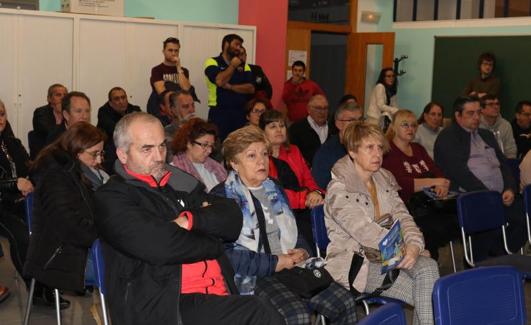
(430,192)
(391,248)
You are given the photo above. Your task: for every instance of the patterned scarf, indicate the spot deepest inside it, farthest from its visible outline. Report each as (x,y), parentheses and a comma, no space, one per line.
(250,234)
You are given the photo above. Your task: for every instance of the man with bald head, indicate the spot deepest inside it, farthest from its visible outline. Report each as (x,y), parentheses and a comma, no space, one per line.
(311,132)
(162,239)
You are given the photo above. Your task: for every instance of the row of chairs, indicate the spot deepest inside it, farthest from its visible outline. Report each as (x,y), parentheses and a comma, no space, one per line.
(484,295)
(98,271)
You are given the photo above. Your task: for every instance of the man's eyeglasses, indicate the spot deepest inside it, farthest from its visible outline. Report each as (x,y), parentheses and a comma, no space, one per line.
(95,154)
(205,146)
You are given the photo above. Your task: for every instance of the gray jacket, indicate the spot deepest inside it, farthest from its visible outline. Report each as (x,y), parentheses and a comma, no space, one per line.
(349,218)
(503,132)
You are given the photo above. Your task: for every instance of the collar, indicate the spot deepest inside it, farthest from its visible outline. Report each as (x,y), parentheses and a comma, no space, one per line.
(149,179)
(314,124)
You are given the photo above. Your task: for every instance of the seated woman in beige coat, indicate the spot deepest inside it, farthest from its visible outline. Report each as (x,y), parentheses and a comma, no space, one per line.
(359,198)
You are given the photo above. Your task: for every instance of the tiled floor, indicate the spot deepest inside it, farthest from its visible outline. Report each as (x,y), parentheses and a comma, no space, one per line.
(79,313)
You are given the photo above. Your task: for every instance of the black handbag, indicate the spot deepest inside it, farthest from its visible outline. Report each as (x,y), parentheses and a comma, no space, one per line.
(305,282)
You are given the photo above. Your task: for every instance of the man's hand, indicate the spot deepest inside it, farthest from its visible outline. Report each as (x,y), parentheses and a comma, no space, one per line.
(410,258)
(285,261)
(235,62)
(508,197)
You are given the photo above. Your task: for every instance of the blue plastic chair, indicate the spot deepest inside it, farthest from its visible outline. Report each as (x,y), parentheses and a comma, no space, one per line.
(478,212)
(390,314)
(484,295)
(527,205)
(321,240)
(28,206)
(99,271)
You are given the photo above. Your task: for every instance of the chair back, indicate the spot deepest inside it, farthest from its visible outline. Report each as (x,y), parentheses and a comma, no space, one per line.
(320,235)
(480,211)
(388,314)
(28,207)
(99,266)
(527,206)
(484,295)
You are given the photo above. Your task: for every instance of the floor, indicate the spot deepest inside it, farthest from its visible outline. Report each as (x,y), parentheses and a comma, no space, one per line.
(83,309)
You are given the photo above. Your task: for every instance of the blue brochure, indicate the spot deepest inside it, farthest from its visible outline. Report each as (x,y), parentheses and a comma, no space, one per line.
(391,247)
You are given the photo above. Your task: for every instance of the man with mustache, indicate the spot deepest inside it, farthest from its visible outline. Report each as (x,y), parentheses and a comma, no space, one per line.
(162,239)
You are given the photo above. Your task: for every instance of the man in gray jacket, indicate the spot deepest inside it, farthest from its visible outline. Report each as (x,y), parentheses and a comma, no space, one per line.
(492,120)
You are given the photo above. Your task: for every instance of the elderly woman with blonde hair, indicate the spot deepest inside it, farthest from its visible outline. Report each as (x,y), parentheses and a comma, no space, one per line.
(361,202)
(269,245)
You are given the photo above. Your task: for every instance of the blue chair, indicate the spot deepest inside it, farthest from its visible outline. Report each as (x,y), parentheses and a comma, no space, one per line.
(99,271)
(484,295)
(321,240)
(29,214)
(478,212)
(390,314)
(527,205)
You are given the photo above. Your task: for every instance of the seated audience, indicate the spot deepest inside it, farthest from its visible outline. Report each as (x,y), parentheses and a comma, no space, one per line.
(415,171)
(333,149)
(269,241)
(76,107)
(193,144)
(383,103)
(522,128)
(311,132)
(472,159)
(63,210)
(492,120)
(347,98)
(360,198)
(162,239)
(430,125)
(486,83)
(14,186)
(108,115)
(307,194)
(525,171)
(181,110)
(47,117)
(254,109)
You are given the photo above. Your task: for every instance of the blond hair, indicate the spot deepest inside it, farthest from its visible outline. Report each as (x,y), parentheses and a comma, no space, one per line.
(400,114)
(355,133)
(239,140)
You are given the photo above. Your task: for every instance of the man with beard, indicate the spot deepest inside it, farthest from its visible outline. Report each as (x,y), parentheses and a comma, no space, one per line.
(162,239)
(181,109)
(230,82)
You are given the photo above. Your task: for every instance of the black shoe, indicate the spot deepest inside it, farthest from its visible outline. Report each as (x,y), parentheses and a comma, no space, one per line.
(47,298)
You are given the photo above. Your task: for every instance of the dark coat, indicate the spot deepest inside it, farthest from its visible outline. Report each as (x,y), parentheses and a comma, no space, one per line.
(43,120)
(452,151)
(62,225)
(305,138)
(8,181)
(144,249)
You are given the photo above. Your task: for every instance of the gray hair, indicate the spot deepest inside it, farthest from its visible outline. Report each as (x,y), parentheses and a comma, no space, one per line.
(346,107)
(121,136)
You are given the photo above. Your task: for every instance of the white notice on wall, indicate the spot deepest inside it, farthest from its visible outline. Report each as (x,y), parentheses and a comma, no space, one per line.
(296,55)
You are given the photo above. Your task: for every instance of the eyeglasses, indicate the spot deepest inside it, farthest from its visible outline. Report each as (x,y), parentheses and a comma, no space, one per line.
(258,111)
(389,75)
(492,104)
(205,146)
(95,154)
(406,125)
(319,108)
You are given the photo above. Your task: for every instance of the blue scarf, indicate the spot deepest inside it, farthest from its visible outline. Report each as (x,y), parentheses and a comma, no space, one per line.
(250,234)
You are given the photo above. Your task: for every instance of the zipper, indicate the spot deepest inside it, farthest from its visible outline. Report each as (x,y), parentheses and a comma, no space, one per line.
(58,251)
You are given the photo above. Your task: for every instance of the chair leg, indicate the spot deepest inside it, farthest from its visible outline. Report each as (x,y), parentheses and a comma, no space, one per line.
(29,302)
(453,255)
(104,309)
(57,306)
(366,307)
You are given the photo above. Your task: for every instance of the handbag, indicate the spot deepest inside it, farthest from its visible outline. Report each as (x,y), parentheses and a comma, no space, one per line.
(306,283)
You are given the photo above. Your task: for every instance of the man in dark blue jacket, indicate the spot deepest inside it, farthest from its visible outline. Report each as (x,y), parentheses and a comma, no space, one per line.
(471,158)
(163,239)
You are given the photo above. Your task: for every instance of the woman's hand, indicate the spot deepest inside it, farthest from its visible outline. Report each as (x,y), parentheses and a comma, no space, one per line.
(313,199)
(285,261)
(24,186)
(298,255)
(410,258)
(442,185)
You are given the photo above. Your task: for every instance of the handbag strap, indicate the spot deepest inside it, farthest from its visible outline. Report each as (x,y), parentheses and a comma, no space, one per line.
(355,266)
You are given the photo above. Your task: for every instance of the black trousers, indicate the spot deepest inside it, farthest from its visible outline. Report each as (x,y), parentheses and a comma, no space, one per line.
(15,230)
(198,309)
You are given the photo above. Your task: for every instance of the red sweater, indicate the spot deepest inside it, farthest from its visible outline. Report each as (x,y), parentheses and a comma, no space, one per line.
(406,169)
(200,277)
(296,162)
(296,97)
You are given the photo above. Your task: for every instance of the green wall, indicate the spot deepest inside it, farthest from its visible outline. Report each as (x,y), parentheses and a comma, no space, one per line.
(211,11)
(418,44)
